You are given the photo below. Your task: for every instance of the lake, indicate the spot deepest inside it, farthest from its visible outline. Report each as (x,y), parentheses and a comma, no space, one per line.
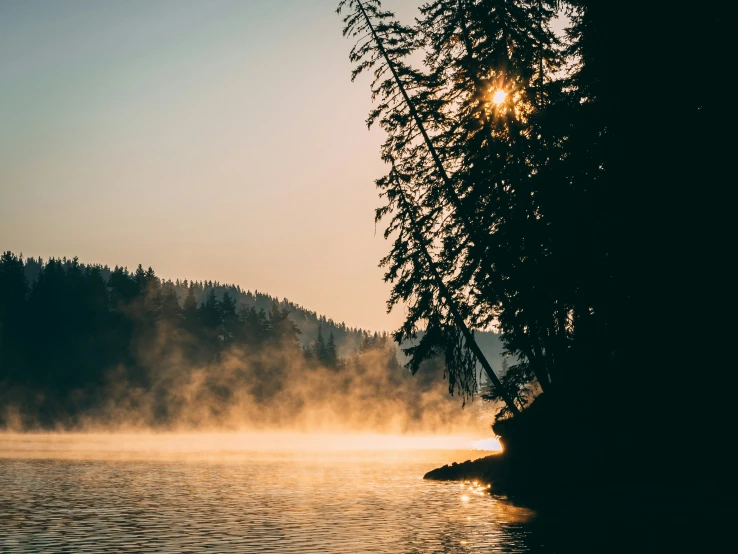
(248,493)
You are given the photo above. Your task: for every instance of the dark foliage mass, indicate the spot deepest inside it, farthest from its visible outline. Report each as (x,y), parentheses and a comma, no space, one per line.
(514,195)
(497,203)
(569,189)
(83,343)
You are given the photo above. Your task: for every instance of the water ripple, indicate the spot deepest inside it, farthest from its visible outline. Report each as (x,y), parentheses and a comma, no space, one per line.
(277,504)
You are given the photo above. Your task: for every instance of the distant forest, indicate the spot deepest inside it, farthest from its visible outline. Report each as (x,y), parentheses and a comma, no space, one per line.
(87,345)
(308,322)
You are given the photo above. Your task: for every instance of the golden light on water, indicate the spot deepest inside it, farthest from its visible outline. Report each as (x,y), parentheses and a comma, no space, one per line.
(474,488)
(499,96)
(219,445)
(245,476)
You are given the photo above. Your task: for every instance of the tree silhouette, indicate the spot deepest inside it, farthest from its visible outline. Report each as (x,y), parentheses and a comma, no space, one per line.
(483,218)
(330,357)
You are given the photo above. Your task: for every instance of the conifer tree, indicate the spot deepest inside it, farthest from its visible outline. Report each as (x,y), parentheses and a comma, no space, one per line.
(189,309)
(13,293)
(171,312)
(331,352)
(210,315)
(229,317)
(468,213)
(319,346)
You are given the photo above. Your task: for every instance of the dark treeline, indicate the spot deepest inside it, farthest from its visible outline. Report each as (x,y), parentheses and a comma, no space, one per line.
(82,344)
(307,321)
(566,188)
(498,205)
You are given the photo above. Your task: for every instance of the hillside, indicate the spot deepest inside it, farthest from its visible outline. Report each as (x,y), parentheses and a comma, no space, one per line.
(347,339)
(83,345)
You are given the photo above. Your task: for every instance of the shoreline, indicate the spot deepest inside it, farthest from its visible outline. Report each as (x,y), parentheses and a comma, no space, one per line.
(619,514)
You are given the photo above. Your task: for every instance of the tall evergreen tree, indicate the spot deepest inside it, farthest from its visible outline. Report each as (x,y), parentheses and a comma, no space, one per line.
(13,293)
(189,309)
(318,348)
(331,353)
(210,314)
(229,317)
(482,218)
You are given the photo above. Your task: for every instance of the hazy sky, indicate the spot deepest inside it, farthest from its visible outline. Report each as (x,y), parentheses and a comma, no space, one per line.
(215,139)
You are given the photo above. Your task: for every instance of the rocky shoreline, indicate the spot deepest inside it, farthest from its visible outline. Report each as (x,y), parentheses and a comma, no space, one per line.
(495,470)
(484,470)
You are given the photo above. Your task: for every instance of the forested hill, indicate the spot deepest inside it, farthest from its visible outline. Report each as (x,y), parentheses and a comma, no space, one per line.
(347,339)
(86,345)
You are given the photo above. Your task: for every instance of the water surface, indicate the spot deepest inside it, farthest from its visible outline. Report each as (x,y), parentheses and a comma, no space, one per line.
(89,495)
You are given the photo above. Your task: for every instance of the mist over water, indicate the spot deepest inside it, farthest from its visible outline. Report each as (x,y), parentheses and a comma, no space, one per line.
(266,390)
(247,492)
(229,446)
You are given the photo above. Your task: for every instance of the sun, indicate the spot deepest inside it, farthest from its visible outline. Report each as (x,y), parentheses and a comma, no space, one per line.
(499,96)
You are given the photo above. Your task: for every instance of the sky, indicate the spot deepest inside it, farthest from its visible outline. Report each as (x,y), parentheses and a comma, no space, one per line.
(218,139)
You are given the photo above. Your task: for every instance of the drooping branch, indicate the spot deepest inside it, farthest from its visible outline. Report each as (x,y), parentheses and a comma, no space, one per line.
(450,302)
(476,241)
(472,233)
(448,185)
